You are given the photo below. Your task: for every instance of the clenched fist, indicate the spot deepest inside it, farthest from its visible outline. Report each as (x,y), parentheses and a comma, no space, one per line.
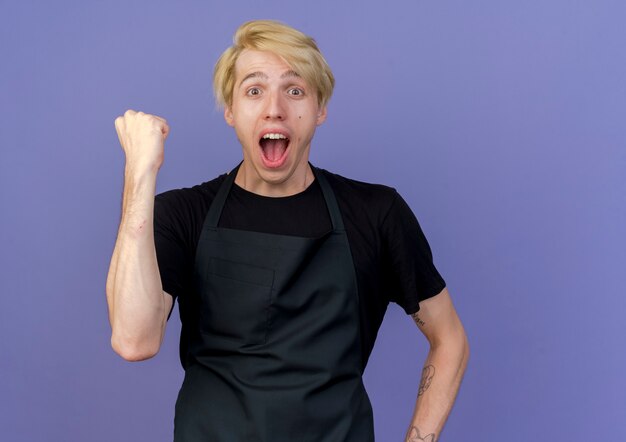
(142,137)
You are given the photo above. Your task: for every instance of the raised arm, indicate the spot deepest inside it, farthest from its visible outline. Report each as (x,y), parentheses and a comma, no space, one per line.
(443,369)
(138,306)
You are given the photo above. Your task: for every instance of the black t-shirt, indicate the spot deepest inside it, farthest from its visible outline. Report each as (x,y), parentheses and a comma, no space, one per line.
(392,259)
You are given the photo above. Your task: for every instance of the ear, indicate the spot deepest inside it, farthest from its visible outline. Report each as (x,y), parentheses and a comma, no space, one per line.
(321,115)
(228,116)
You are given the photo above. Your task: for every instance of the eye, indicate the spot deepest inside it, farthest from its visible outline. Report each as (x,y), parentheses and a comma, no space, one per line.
(253,91)
(295,91)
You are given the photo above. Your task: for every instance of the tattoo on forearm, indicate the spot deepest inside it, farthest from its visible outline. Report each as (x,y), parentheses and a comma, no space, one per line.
(427,377)
(417,320)
(415,436)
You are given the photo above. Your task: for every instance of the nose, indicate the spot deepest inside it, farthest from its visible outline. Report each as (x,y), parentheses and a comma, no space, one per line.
(275,109)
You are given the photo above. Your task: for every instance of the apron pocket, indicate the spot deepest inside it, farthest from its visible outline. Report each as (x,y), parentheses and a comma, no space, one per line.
(236,302)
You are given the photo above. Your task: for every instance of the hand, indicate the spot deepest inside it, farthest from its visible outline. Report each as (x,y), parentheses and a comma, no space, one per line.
(142,137)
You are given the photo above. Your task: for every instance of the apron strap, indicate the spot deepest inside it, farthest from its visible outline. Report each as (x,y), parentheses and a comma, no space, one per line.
(215,210)
(331,201)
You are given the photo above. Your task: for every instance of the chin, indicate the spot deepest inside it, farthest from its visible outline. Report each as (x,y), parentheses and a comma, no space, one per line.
(275,176)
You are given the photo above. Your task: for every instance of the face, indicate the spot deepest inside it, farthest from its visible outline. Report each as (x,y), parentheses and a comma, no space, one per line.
(275,114)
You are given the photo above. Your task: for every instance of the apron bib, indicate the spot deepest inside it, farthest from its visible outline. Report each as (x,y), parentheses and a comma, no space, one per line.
(277,357)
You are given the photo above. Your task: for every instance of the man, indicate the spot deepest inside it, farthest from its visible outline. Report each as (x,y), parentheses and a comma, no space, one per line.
(282,271)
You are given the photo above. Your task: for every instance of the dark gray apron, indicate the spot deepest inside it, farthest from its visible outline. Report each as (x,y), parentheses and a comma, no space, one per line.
(278,357)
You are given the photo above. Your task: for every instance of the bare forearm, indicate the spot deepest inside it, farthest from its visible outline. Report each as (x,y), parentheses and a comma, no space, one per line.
(441,379)
(134,292)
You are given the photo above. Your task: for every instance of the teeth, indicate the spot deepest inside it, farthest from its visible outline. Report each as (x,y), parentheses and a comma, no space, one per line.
(274,137)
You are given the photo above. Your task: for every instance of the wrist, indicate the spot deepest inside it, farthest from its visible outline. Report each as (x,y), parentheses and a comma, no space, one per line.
(139,171)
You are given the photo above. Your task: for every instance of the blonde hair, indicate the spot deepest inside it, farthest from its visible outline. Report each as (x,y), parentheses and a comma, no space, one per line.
(298,50)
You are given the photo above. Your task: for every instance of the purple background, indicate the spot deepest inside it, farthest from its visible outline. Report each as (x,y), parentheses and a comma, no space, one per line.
(502,123)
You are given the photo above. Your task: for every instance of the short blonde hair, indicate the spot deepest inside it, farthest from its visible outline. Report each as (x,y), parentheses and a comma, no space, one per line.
(298,50)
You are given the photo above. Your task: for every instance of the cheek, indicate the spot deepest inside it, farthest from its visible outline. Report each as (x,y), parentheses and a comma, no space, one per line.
(246,120)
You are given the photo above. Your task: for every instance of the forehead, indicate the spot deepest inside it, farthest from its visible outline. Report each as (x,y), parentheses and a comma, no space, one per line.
(268,63)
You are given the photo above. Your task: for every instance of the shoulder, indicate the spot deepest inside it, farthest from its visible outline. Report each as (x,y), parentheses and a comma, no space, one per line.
(190,196)
(186,205)
(374,199)
(360,188)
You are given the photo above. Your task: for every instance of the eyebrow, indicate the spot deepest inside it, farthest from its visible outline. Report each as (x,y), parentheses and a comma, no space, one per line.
(290,74)
(253,75)
(258,74)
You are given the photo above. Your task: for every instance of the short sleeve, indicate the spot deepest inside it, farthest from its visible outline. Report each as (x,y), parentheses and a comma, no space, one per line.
(171,247)
(410,272)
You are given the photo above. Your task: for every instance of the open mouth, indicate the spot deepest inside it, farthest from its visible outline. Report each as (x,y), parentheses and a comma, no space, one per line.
(274,146)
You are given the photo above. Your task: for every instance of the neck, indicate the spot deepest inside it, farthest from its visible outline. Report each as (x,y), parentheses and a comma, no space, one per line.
(249,179)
